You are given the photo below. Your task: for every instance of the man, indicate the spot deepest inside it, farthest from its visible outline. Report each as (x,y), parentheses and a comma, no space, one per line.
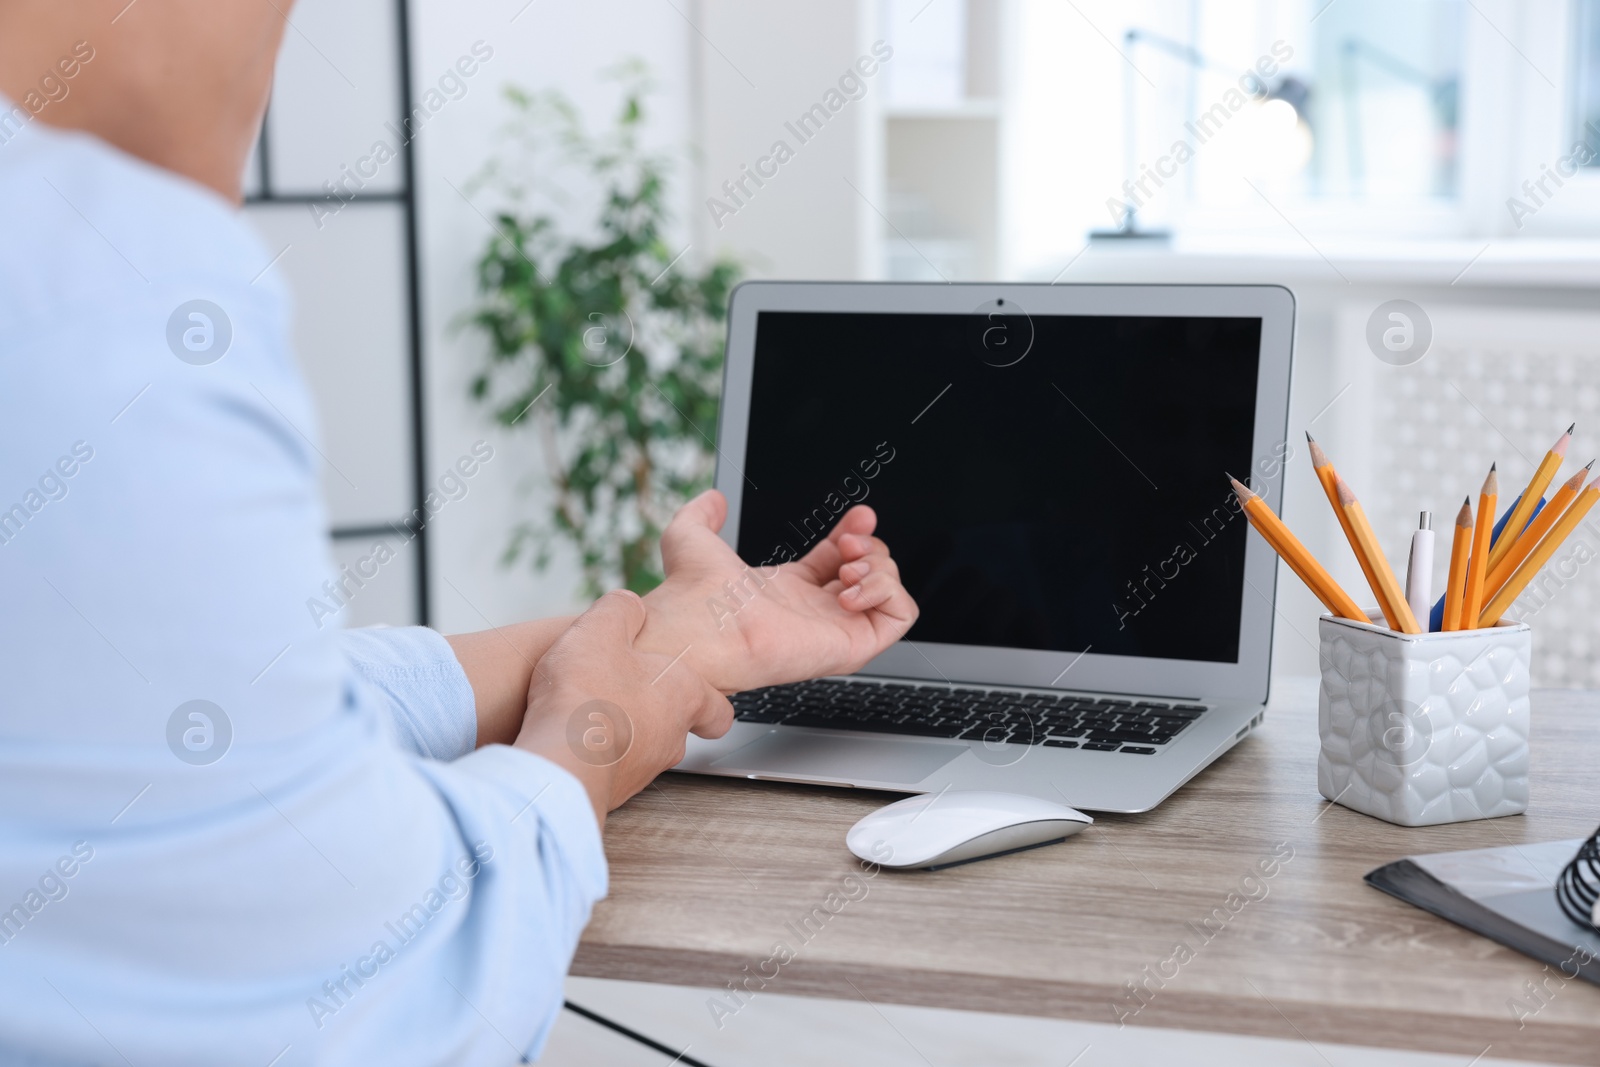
(225,835)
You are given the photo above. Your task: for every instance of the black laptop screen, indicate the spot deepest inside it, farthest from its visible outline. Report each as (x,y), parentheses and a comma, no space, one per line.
(1069,499)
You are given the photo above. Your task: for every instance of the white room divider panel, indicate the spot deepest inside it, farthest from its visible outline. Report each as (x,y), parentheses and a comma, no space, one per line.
(331,191)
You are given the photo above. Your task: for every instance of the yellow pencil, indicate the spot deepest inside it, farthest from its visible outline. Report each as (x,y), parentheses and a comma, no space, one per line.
(1291,551)
(1478,565)
(1328,476)
(1529,539)
(1542,476)
(1391,598)
(1460,548)
(1530,567)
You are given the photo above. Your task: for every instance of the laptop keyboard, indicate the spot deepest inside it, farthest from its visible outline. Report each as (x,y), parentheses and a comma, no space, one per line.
(993,717)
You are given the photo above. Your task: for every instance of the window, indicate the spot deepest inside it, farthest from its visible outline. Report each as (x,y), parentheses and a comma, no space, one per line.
(1351,120)
(1386,109)
(1586,79)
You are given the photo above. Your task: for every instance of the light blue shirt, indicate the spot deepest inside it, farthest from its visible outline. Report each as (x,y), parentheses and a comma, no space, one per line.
(349,882)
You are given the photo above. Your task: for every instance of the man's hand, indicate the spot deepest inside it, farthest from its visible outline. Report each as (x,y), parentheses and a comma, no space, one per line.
(742,627)
(612,714)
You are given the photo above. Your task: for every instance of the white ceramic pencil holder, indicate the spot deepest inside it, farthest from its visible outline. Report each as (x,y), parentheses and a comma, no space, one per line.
(1422,729)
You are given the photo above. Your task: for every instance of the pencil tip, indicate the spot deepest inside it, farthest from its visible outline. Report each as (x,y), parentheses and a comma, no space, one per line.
(1589,465)
(1574,426)
(1319,458)
(1492,467)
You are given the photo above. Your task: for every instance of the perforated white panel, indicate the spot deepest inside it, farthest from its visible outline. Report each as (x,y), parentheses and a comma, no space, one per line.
(1497,385)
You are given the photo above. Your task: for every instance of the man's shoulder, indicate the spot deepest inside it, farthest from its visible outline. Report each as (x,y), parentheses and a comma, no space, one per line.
(90,227)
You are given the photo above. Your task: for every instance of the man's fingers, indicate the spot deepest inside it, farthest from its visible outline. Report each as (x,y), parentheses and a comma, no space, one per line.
(692,703)
(887,606)
(854,546)
(715,718)
(858,520)
(822,562)
(877,560)
(872,591)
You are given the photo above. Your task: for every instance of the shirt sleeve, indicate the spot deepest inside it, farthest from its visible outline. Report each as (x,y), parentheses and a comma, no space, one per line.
(538,897)
(421,686)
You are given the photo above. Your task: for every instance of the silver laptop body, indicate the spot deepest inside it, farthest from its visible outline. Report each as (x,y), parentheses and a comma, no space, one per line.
(1102,731)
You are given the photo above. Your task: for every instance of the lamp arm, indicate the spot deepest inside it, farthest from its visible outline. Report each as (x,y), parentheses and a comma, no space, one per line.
(1192,56)
(1355,47)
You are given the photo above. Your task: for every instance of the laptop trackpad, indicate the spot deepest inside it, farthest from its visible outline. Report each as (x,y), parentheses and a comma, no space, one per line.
(783,752)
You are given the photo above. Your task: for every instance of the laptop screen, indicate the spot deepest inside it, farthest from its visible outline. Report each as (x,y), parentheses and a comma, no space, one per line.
(1046,482)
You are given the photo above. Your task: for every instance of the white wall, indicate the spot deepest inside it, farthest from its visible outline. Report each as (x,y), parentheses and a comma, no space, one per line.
(762,65)
(547,45)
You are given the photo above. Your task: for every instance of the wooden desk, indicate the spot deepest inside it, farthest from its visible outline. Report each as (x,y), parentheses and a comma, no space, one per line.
(707,874)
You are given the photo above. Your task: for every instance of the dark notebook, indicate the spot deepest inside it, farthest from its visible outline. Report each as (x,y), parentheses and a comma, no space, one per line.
(1506,894)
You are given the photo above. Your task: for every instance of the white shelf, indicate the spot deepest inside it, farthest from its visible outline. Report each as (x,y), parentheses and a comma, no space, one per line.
(1463,264)
(966,109)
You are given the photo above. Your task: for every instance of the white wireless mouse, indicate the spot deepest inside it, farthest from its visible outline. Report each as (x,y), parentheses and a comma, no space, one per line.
(941,829)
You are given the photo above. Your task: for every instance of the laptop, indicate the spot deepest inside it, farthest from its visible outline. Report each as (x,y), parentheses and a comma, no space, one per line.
(1049,465)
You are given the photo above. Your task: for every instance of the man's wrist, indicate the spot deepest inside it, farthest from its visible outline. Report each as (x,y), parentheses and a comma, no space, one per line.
(672,629)
(498,664)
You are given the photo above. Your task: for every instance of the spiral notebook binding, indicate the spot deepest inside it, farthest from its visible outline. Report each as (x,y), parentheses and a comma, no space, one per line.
(1579,884)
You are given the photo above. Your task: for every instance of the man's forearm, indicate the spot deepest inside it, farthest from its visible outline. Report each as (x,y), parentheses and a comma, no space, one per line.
(499,665)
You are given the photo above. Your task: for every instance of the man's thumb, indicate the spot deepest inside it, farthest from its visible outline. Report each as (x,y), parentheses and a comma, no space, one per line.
(707,511)
(617,616)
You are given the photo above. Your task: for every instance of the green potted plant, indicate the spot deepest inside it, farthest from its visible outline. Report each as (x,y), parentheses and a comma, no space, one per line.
(601,339)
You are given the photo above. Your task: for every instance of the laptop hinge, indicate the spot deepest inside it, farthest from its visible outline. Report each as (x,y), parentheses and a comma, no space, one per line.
(955,684)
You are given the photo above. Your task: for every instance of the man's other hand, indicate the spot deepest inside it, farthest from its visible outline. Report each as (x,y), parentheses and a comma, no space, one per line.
(612,713)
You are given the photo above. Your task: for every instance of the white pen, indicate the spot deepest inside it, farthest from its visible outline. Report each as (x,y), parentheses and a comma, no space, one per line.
(1419,572)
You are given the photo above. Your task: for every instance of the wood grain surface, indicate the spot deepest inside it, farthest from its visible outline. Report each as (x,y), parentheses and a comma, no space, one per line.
(709,875)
